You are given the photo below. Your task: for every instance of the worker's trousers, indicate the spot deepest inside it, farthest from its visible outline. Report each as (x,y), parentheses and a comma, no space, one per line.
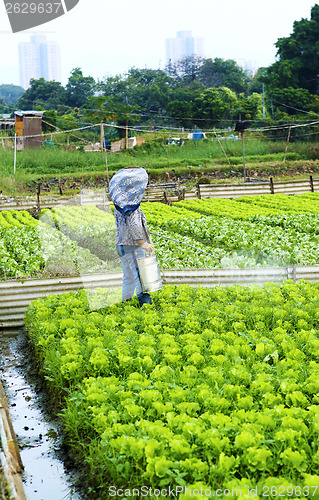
(131,276)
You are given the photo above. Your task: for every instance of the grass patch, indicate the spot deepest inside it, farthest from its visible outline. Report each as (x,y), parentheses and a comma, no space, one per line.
(75,169)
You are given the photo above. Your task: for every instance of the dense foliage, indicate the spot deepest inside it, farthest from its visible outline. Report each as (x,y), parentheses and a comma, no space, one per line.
(246,232)
(298,56)
(212,388)
(90,227)
(30,248)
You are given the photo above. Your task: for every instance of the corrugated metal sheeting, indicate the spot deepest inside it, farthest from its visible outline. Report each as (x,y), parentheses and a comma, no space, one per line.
(257,188)
(15,296)
(225,277)
(232,190)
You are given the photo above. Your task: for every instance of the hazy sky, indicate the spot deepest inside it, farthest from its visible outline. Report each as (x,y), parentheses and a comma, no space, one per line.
(105,37)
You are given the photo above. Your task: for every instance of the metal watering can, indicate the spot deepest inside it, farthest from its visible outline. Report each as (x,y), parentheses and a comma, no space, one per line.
(149,273)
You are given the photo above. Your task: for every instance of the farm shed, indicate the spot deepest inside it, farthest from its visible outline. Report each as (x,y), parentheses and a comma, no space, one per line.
(131,142)
(28,128)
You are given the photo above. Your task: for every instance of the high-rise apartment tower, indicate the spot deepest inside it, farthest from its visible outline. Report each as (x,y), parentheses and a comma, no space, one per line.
(39,58)
(184,45)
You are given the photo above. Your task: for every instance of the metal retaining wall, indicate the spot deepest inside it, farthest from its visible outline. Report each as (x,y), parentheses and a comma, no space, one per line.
(225,277)
(15,296)
(258,188)
(232,190)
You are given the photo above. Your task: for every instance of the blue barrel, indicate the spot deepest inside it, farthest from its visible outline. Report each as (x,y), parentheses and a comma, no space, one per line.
(197,134)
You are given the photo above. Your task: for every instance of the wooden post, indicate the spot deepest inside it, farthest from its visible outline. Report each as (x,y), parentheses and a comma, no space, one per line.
(312,189)
(272,190)
(243,143)
(126,136)
(107,168)
(288,138)
(199,196)
(38,195)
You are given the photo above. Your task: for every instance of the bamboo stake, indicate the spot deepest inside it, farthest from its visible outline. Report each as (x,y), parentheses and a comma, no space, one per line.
(15,154)
(101,135)
(222,148)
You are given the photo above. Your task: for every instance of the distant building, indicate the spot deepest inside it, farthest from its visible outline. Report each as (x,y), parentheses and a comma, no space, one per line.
(249,66)
(184,45)
(39,58)
(28,129)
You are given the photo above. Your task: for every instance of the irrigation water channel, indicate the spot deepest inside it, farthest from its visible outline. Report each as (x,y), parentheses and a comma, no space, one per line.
(45,476)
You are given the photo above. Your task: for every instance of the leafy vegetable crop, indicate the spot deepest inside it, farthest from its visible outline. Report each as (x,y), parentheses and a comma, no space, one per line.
(249,231)
(213,387)
(30,248)
(90,227)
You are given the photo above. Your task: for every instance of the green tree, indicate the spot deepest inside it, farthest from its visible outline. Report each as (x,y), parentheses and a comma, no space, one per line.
(214,105)
(145,92)
(114,87)
(187,70)
(298,64)
(100,109)
(220,73)
(182,112)
(2,106)
(256,82)
(251,107)
(49,120)
(148,90)
(67,121)
(79,88)
(48,95)
(10,93)
(292,101)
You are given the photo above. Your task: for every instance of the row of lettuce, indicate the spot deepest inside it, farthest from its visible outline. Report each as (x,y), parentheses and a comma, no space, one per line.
(205,389)
(32,248)
(245,232)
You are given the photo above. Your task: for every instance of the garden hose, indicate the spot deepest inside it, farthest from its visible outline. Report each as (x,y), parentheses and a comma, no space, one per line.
(187,244)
